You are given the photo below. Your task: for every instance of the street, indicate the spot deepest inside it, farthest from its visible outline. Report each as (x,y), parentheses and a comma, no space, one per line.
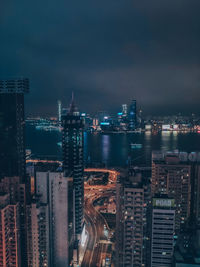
(97,246)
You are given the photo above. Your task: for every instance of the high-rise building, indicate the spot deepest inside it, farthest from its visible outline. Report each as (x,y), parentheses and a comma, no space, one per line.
(59,112)
(73,165)
(9,233)
(171,176)
(48,221)
(124,110)
(162,234)
(12,148)
(132,116)
(17,197)
(38,239)
(129,219)
(195,197)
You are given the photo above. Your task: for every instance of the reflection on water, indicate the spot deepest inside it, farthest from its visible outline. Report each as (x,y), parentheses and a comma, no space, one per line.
(169,141)
(113,149)
(105,145)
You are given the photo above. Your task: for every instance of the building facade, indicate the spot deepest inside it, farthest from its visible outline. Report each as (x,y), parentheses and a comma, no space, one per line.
(129,219)
(73,165)
(48,221)
(172,177)
(162,236)
(10,253)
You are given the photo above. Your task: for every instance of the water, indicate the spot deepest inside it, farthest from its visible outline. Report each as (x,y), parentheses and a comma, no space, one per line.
(112,149)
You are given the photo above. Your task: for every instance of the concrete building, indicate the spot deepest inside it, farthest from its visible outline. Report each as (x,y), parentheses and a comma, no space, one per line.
(163,227)
(48,221)
(18,196)
(10,252)
(129,219)
(171,176)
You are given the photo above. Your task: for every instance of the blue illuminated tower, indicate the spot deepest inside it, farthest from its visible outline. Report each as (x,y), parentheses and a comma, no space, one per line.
(132,116)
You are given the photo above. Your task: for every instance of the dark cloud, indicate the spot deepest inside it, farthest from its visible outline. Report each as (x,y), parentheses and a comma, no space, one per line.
(106,51)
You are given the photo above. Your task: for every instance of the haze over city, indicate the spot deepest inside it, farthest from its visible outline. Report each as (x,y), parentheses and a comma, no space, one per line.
(100,133)
(106,52)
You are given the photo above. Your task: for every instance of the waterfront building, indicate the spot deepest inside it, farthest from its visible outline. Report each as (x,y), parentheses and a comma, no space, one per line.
(48,221)
(132,116)
(162,234)
(59,112)
(12,147)
(124,110)
(129,219)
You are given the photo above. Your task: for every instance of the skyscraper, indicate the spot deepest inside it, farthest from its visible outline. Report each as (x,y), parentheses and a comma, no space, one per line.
(171,176)
(132,115)
(73,165)
(9,232)
(12,151)
(124,110)
(59,112)
(129,219)
(48,215)
(12,148)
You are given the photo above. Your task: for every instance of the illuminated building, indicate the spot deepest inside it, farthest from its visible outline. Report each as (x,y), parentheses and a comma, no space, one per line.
(9,232)
(12,148)
(73,166)
(48,221)
(132,116)
(17,197)
(129,219)
(124,110)
(59,111)
(162,236)
(171,176)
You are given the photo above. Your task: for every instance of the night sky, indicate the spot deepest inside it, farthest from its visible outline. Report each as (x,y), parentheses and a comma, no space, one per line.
(106,51)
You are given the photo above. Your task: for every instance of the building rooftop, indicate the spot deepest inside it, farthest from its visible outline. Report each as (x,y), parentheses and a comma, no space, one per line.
(175,157)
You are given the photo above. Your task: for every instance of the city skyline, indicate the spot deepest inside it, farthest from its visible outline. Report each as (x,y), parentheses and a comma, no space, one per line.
(78,211)
(102,51)
(100,133)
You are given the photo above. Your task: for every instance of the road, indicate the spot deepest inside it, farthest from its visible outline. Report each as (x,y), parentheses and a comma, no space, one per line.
(96,223)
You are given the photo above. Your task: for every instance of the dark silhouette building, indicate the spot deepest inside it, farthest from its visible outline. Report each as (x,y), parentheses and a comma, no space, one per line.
(12,149)
(12,153)
(73,165)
